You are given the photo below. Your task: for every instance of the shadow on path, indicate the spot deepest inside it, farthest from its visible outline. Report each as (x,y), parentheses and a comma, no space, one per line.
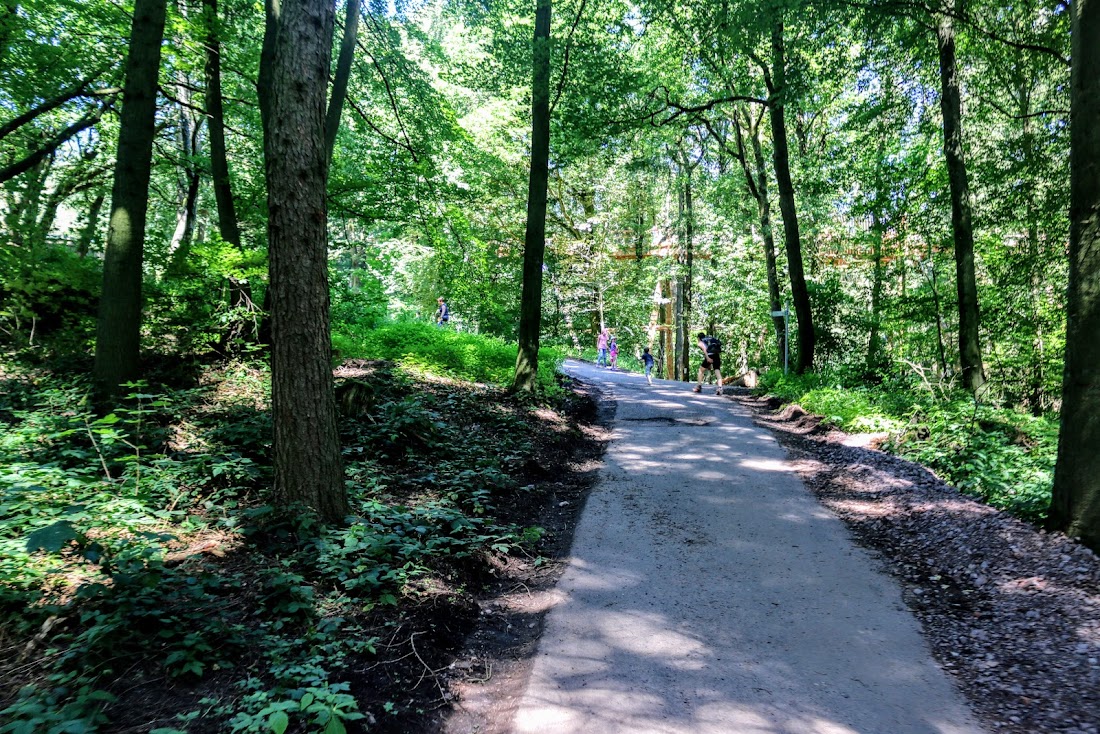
(708,592)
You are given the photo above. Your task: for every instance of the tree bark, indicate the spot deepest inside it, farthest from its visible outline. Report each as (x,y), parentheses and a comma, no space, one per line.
(534,241)
(1075,505)
(308,470)
(799,292)
(962,224)
(343,75)
(118,331)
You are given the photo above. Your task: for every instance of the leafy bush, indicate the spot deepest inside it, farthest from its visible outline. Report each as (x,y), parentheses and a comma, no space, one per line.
(1001,455)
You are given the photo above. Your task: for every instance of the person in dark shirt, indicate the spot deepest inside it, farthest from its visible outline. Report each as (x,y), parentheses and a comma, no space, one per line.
(648,360)
(712,360)
(442,314)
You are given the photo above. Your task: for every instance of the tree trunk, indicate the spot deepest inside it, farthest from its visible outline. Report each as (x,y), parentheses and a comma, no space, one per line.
(534,241)
(758,187)
(228,228)
(874,340)
(118,330)
(343,75)
(799,293)
(1075,505)
(689,264)
(87,233)
(308,469)
(970,352)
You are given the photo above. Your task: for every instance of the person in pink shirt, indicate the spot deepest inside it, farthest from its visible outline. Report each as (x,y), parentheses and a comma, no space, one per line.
(601,348)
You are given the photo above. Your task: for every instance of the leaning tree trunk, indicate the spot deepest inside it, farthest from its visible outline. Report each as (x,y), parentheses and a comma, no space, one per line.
(87,233)
(343,75)
(758,187)
(118,330)
(534,241)
(1075,506)
(308,469)
(970,352)
(799,292)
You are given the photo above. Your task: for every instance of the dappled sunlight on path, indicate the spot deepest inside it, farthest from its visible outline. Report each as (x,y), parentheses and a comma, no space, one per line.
(708,592)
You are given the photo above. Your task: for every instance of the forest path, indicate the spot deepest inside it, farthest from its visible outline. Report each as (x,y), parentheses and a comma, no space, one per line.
(708,592)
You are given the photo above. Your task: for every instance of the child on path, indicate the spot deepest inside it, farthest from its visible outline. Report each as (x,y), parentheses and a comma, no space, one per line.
(614,349)
(647,358)
(601,348)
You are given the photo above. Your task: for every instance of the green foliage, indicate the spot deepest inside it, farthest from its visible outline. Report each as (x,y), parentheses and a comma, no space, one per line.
(428,349)
(1001,455)
(100,516)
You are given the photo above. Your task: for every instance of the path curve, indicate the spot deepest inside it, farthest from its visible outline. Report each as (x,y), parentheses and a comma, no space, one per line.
(707,592)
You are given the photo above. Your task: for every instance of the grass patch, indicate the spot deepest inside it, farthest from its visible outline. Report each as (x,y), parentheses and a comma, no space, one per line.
(427,349)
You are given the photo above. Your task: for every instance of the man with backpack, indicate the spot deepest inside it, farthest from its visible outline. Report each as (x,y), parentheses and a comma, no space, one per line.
(712,360)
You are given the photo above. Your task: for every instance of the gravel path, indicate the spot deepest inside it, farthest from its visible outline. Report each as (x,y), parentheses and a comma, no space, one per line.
(1011,611)
(708,591)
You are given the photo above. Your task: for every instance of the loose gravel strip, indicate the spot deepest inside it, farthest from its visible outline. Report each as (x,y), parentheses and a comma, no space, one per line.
(1011,612)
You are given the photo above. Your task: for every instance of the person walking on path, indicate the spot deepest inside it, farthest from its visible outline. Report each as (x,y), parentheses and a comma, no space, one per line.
(442,314)
(712,360)
(601,347)
(613,350)
(647,359)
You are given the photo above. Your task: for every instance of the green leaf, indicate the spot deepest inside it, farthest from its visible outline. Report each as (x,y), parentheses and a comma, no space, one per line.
(335,726)
(278,722)
(306,701)
(52,538)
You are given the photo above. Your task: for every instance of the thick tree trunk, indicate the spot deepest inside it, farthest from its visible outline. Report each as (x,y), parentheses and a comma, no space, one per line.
(118,331)
(534,241)
(1075,506)
(799,293)
(970,352)
(343,75)
(308,469)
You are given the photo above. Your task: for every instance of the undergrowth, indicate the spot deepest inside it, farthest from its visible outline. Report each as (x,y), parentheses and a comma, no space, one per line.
(139,551)
(1002,455)
(428,349)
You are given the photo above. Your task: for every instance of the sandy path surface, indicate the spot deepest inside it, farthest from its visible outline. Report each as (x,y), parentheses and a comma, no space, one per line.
(707,591)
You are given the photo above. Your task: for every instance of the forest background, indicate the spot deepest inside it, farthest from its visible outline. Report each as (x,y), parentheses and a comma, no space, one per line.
(891,174)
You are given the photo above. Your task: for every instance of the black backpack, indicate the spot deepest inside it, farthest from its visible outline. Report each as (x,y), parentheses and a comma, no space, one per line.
(714,347)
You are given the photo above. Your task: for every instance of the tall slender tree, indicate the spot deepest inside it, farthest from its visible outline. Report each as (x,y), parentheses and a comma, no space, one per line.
(962,220)
(800,294)
(1075,507)
(534,241)
(118,330)
(308,468)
